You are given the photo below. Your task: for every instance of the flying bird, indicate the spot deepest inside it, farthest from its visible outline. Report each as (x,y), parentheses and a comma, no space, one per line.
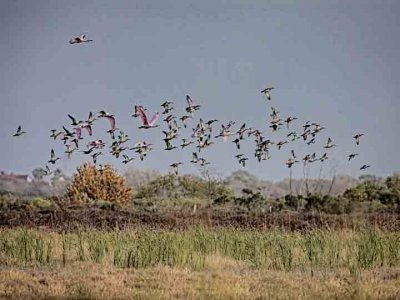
(79,39)
(78,130)
(74,121)
(69,151)
(329,144)
(147,124)
(127,159)
(175,166)
(357,138)
(191,108)
(289,120)
(365,167)
(267,92)
(290,162)
(46,171)
(109,117)
(352,155)
(19,131)
(55,133)
(183,119)
(53,157)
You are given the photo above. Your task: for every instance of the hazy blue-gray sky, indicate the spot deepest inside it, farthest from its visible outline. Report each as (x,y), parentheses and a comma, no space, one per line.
(334,62)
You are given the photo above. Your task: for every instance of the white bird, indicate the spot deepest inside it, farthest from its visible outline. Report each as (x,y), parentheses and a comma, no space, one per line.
(267,92)
(79,39)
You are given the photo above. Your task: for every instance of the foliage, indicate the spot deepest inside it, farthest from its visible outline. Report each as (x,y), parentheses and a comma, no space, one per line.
(250,199)
(37,174)
(39,202)
(273,250)
(175,187)
(90,185)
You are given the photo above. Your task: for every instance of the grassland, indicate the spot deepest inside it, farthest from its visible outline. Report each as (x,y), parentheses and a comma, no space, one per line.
(199,263)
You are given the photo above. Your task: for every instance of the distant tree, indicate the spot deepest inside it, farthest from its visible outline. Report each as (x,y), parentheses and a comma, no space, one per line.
(37,174)
(250,199)
(57,175)
(137,178)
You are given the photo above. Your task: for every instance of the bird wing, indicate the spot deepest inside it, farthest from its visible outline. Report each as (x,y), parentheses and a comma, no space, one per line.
(66,131)
(112,122)
(142,115)
(189,100)
(78,132)
(52,154)
(167,143)
(89,129)
(72,118)
(154,119)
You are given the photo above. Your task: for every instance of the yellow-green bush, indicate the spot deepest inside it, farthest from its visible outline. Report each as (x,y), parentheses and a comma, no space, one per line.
(90,185)
(39,202)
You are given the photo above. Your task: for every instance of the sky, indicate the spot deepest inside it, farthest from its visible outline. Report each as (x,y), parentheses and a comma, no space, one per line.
(336,63)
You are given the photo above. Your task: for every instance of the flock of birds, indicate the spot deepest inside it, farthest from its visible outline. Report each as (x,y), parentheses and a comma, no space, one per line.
(202,136)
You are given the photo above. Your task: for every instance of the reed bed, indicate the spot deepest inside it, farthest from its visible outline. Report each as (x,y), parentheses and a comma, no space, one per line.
(142,248)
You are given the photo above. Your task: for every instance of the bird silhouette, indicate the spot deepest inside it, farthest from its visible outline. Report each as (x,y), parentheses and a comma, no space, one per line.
(352,155)
(267,92)
(357,138)
(53,157)
(79,39)
(19,131)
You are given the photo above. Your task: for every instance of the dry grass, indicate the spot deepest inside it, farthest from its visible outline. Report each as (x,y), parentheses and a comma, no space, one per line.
(199,264)
(220,279)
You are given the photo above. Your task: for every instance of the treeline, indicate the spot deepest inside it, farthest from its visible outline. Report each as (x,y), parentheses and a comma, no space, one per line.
(370,195)
(152,191)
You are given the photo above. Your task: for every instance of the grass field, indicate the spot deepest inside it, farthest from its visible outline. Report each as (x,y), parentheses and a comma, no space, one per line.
(201,263)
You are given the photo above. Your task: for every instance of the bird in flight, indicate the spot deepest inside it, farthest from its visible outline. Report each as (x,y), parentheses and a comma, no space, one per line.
(46,171)
(329,144)
(146,123)
(69,151)
(127,159)
(78,130)
(267,92)
(55,133)
(290,162)
(289,120)
(365,167)
(109,117)
(352,155)
(74,121)
(175,166)
(79,39)
(357,138)
(53,157)
(191,108)
(19,131)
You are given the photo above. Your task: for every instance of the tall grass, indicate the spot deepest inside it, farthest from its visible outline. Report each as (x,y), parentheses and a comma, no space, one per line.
(144,248)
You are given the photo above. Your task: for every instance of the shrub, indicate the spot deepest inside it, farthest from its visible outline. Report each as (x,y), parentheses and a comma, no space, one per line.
(39,202)
(250,199)
(176,187)
(90,185)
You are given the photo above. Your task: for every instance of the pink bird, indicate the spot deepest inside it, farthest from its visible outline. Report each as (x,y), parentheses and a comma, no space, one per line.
(146,123)
(136,113)
(110,118)
(98,144)
(78,130)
